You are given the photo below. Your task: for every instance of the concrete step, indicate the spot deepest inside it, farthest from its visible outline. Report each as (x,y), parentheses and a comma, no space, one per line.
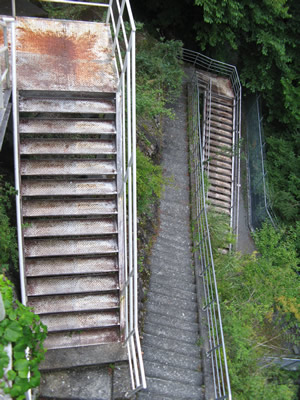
(176,346)
(165,387)
(159,287)
(167,274)
(170,332)
(160,319)
(171,311)
(173,284)
(171,358)
(180,304)
(176,374)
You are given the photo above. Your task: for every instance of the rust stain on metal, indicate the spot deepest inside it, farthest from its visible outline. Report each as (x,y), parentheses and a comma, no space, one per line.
(57,44)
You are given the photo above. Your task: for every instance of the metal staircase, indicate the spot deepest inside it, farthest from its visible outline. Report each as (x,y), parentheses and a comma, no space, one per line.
(70,214)
(218,140)
(73,92)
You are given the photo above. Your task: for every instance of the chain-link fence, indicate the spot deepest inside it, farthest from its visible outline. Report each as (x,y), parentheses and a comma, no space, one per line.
(259,206)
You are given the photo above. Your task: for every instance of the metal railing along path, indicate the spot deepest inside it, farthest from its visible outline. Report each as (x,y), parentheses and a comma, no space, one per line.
(204,261)
(204,63)
(119,16)
(4,75)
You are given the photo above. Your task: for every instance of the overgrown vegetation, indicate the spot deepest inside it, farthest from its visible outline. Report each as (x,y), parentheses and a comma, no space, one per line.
(259,296)
(23,329)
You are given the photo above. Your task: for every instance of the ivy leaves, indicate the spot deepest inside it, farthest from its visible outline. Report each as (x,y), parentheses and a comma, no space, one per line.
(23,329)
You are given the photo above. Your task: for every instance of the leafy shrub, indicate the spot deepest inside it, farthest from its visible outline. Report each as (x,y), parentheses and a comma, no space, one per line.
(23,329)
(260,312)
(8,242)
(149,182)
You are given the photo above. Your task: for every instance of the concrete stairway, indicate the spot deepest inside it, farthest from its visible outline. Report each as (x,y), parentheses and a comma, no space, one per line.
(171,332)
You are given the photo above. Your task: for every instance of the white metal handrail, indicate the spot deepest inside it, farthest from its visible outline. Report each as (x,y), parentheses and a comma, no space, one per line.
(205,265)
(120,18)
(208,64)
(4,76)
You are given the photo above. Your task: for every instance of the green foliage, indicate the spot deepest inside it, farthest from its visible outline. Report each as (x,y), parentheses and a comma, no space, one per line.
(159,75)
(149,182)
(264,34)
(261,312)
(73,12)
(8,243)
(283,165)
(23,329)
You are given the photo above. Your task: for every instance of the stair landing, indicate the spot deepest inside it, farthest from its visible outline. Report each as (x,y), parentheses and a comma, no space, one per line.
(64,55)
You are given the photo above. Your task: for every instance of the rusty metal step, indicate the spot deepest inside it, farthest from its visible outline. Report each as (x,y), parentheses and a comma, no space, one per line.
(79,321)
(216,162)
(219,189)
(215,173)
(77,227)
(216,153)
(218,118)
(66,146)
(64,105)
(219,196)
(68,167)
(221,107)
(221,126)
(221,135)
(220,99)
(78,187)
(226,147)
(65,125)
(225,173)
(86,207)
(73,303)
(59,340)
(69,247)
(70,266)
(219,182)
(220,204)
(227,113)
(42,286)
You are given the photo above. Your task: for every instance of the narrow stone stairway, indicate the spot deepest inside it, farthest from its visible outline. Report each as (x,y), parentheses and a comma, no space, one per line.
(171,331)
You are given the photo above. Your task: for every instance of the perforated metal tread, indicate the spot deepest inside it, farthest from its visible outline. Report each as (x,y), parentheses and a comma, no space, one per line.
(78,321)
(68,188)
(67,146)
(72,303)
(70,266)
(78,227)
(63,105)
(42,286)
(69,126)
(68,167)
(70,339)
(85,207)
(69,247)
